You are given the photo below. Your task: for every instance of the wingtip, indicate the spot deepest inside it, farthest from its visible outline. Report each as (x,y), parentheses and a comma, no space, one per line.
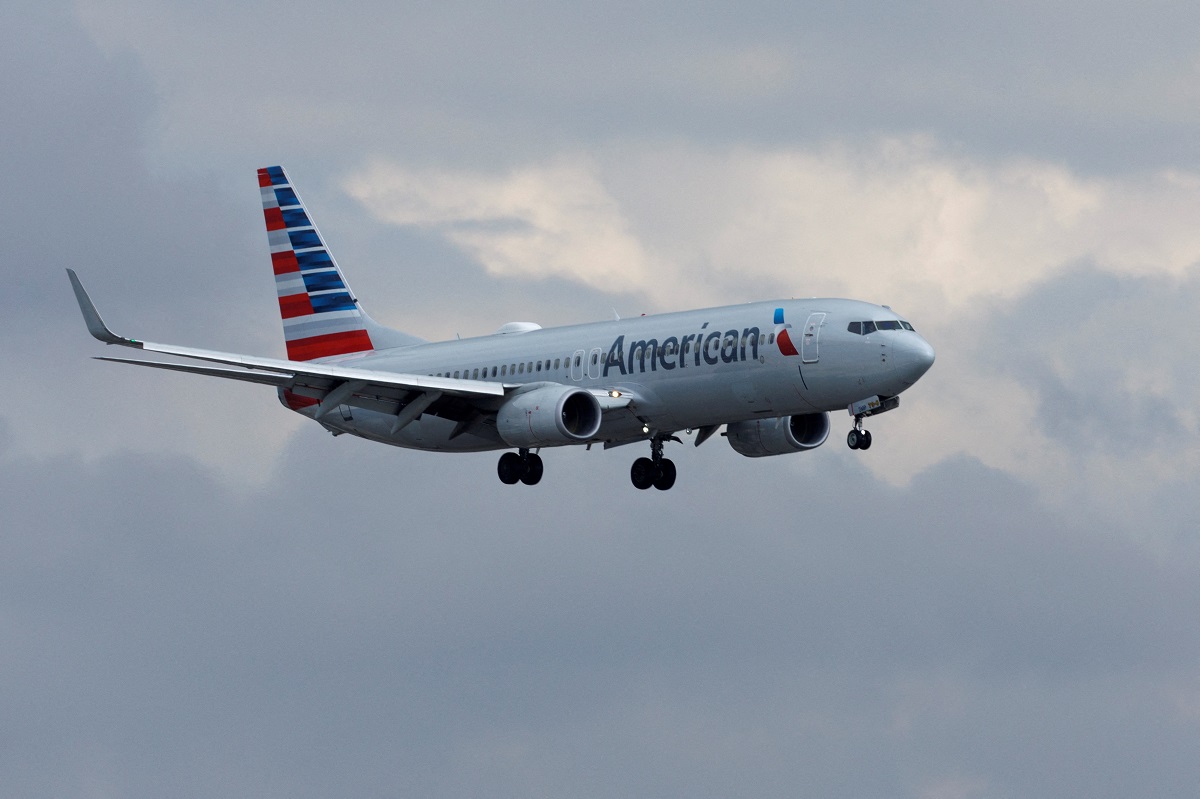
(91,316)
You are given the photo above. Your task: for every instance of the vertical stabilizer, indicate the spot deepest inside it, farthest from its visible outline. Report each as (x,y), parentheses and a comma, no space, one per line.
(321,316)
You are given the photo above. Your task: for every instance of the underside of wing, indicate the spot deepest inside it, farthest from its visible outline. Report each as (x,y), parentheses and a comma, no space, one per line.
(265,378)
(323,386)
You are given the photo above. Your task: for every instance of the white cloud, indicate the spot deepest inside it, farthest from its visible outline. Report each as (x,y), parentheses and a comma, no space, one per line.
(555,220)
(900,220)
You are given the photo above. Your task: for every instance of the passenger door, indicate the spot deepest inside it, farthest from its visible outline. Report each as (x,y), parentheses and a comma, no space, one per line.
(812,335)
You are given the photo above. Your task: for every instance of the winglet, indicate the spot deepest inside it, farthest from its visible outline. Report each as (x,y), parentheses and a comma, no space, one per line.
(91,316)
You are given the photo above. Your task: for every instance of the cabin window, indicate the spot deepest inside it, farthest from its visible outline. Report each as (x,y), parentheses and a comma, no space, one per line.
(522,369)
(771,339)
(531,366)
(503,371)
(556,362)
(539,366)
(577,361)
(456,374)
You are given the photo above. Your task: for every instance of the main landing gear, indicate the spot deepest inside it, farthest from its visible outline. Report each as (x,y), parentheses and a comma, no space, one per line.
(654,471)
(522,466)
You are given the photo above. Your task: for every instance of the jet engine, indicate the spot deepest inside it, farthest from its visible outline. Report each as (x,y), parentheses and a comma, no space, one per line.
(779,436)
(549,416)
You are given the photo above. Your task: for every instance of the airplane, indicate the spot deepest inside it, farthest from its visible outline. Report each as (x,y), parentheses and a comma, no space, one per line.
(769,372)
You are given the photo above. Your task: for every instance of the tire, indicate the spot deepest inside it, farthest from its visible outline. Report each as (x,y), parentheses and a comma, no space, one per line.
(510,468)
(641,474)
(853,439)
(666,476)
(866,440)
(533,470)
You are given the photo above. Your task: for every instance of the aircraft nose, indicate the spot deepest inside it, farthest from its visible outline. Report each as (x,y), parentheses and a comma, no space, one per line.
(915,359)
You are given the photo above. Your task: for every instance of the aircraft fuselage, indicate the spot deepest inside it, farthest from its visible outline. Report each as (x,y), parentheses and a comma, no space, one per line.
(684,370)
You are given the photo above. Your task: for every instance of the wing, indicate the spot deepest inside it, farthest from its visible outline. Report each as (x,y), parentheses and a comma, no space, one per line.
(324,385)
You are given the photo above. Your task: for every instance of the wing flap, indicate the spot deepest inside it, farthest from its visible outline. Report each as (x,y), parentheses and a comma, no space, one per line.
(270,378)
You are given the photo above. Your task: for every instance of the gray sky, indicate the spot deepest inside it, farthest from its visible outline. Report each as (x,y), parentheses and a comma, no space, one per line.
(200,595)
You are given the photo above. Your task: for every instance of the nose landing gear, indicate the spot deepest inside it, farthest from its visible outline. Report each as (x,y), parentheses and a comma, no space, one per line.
(654,471)
(858,438)
(522,466)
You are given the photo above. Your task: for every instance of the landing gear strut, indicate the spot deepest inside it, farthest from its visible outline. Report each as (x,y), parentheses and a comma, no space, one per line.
(521,466)
(654,471)
(858,438)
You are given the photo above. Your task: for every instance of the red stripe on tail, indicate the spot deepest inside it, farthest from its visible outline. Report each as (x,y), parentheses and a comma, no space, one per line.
(284,262)
(295,305)
(274,218)
(306,349)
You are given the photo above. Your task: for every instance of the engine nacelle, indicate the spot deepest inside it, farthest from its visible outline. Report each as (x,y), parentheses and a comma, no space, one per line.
(549,416)
(779,436)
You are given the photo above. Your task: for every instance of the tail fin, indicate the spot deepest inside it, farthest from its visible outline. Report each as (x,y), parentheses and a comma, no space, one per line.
(321,316)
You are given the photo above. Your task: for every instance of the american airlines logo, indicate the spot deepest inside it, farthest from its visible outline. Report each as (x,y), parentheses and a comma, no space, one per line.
(677,352)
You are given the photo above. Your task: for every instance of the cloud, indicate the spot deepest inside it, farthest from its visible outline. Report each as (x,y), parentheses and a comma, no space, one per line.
(165,257)
(901,219)
(375,635)
(457,82)
(545,221)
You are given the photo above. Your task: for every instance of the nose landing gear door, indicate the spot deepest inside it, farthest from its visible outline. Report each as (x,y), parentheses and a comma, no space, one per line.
(811,338)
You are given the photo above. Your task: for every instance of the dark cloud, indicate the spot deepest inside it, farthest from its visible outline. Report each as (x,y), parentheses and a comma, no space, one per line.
(479,84)
(1107,356)
(355,626)
(79,193)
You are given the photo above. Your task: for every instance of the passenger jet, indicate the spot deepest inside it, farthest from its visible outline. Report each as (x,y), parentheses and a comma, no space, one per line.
(769,372)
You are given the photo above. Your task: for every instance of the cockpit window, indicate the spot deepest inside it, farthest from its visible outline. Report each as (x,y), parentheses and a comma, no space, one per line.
(866,328)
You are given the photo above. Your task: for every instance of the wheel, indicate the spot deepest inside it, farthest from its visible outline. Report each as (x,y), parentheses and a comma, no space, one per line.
(865,443)
(666,475)
(642,473)
(853,439)
(510,468)
(533,470)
